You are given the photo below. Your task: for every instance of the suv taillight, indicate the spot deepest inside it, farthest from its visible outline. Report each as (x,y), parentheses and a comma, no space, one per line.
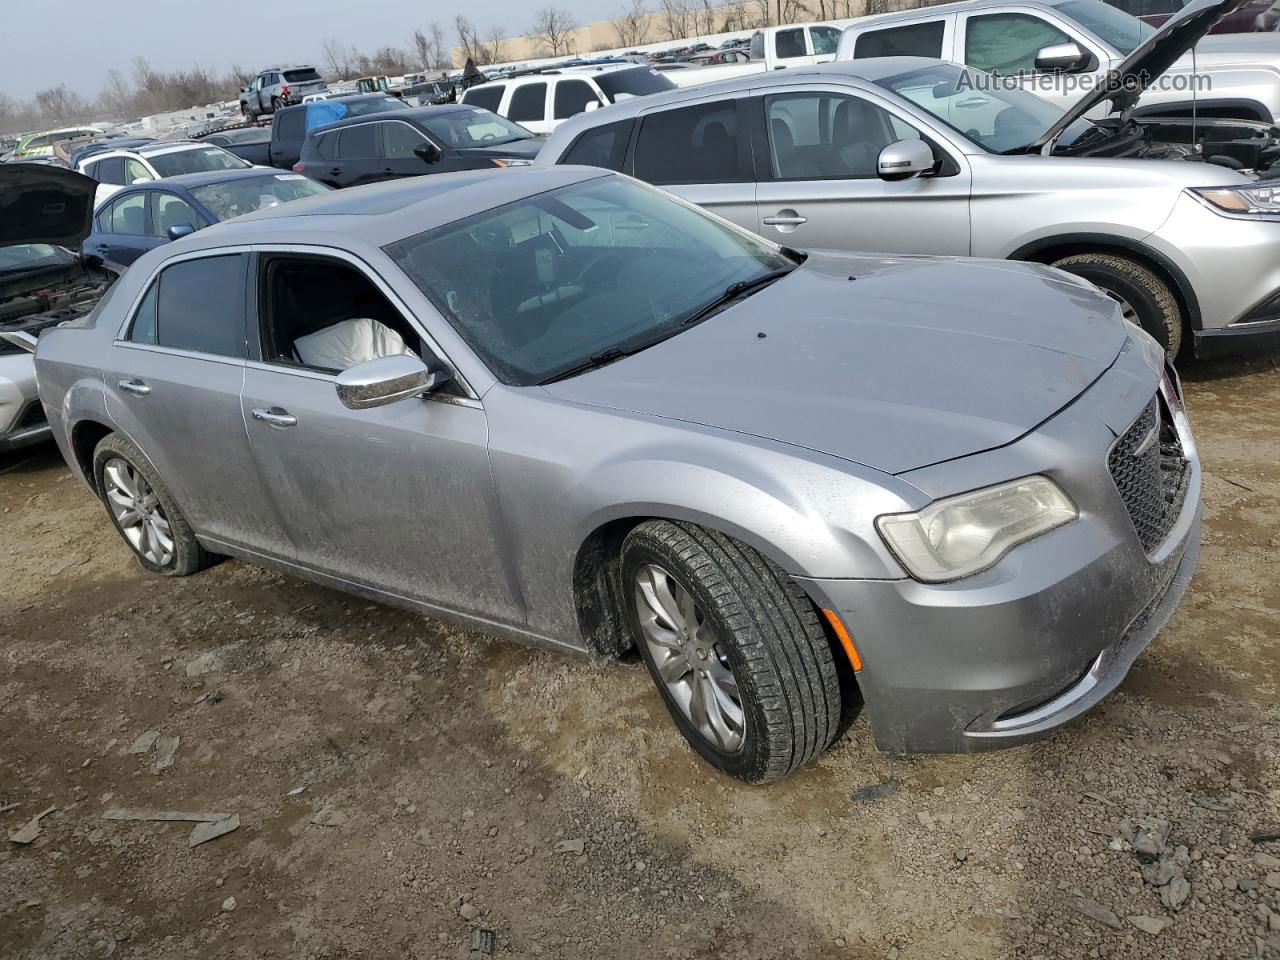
(285,90)
(299,167)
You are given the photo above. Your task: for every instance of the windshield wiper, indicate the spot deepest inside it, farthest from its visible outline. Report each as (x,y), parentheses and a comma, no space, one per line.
(596,360)
(735,290)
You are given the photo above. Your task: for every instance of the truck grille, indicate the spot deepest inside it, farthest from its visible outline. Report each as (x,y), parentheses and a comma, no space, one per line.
(1151,473)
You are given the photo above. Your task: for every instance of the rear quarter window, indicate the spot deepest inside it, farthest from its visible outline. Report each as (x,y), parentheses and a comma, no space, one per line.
(488,96)
(913,40)
(602,147)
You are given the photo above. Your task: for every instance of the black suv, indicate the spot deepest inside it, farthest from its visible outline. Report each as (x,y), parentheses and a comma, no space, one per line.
(409,143)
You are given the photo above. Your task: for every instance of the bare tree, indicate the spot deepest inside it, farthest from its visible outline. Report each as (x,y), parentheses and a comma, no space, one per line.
(677,18)
(495,45)
(60,103)
(703,18)
(469,40)
(632,24)
(337,57)
(553,31)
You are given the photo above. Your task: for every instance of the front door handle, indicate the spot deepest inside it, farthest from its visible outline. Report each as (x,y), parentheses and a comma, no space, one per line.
(781,221)
(276,417)
(136,387)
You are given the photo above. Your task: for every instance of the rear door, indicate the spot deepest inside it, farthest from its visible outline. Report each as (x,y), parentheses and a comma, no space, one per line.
(124,232)
(357,159)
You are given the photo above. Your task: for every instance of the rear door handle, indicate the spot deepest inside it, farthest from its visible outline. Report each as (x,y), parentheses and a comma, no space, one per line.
(276,417)
(785,221)
(135,387)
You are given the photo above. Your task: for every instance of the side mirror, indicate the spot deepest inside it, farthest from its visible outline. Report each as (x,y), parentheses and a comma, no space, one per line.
(904,160)
(428,151)
(180,230)
(1062,58)
(383,380)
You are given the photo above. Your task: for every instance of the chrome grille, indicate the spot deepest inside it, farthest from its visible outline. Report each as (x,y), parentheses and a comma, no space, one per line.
(1152,474)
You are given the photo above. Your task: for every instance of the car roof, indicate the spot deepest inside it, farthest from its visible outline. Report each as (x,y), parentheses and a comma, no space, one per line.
(186,181)
(413,113)
(943,9)
(383,213)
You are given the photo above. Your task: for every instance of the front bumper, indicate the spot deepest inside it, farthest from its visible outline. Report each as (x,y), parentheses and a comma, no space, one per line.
(1007,655)
(22,420)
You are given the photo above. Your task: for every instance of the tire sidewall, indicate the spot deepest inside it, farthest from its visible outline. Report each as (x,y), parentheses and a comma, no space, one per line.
(112,448)
(745,762)
(1150,314)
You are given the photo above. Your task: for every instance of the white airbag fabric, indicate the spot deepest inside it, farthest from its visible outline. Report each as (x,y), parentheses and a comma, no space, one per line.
(348,343)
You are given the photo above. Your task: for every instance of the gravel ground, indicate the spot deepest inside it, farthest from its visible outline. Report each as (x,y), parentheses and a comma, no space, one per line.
(461,794)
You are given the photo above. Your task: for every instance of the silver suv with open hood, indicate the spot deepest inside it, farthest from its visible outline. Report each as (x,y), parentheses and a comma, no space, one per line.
(910,155)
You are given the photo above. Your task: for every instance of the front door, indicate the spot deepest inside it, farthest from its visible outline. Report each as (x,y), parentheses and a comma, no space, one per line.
(398,497)
(818,186)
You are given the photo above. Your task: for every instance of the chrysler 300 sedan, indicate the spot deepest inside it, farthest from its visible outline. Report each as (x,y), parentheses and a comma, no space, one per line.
(562,406)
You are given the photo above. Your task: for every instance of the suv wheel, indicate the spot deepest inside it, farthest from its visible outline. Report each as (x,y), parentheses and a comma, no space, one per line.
(245,111)
(1144,298)
(275,104)
(143,511)
(734,647)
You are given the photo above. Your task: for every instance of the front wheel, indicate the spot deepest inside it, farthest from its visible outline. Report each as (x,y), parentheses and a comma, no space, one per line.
(734,647)
(1144,299)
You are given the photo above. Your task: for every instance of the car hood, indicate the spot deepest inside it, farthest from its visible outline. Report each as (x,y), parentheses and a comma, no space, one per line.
(40,203)
(892,362)
(1127,82)
(516,149)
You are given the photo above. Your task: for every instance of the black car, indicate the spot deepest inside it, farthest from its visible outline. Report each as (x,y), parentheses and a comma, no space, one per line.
(410,143)
(290,125)
(251,144)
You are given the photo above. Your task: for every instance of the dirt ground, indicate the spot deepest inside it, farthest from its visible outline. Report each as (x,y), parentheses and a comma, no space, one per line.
(443,768)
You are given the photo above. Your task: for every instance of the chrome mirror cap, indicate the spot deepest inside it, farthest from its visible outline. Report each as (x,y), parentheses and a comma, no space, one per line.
(384,380)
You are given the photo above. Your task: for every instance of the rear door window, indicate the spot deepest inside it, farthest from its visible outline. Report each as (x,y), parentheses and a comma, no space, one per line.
(825,40)
(359,142)
(111,170)
(528,102)
(291,124)
(129,215)
(572,97)
(789,43)
(602,147)
(196,305)
(488,96)
(913,40)
(697,144)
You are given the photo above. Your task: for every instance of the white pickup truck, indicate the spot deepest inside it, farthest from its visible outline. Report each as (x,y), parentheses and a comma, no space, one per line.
(1062,50)
(772,48)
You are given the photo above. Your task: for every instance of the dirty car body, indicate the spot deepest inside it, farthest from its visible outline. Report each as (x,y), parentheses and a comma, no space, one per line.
(799,414)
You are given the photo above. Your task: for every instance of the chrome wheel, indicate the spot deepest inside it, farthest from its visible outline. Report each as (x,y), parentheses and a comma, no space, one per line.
(687,654)
(137,512)
(1126,308)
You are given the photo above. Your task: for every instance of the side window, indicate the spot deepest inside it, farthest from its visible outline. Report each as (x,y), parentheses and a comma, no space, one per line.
(359,142)
(129,215)
(602,147)
(196,305)
(170,210)
(572,97)
(488,96)
(696,144)
(91,171)
(292,124)
(528,102)
(111,170)
(789,43)
(822,136)
(135,172)
(327,146)
(825,40)
(1006,43)
(103,219)
(913,40)
(399,140)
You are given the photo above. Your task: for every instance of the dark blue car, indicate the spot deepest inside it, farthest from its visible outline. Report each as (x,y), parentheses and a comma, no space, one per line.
(145,215)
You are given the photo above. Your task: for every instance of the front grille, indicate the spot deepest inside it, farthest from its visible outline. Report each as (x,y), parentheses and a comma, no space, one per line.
(1151,473)
(33,416)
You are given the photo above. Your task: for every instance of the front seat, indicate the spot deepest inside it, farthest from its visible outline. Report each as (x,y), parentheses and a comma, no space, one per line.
(788,166)
(859,133)
(349,342)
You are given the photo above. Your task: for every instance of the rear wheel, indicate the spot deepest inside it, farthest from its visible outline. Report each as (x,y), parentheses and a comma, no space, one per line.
(1143,297)
(734,647)
(275,104)
(144,512)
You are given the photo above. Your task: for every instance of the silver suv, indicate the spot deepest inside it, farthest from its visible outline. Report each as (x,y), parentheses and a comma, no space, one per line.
(921,156)
(278,87)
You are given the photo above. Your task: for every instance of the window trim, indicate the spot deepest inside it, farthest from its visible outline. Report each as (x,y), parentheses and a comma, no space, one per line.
(744,145)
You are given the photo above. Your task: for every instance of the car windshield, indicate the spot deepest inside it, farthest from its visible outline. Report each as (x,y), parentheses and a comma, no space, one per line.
(474,128)
(232,198)
(196,160)
(997,117)
(29,256)
(1121,30)
(621,84)
(542,286)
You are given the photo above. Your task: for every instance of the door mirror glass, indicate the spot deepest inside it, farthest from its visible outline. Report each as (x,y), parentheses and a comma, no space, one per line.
(384,380)
(180,230)
(428,151)
(1062,58)
(904,160)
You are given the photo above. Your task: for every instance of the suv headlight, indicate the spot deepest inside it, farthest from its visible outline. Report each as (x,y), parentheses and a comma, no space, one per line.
(1259,200)
(963,535)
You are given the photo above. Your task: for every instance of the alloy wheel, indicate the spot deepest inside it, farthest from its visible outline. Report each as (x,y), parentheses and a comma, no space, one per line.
(688,655)
(138,512)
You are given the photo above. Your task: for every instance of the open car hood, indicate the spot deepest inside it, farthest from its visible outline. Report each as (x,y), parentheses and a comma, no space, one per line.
(1127,82)
(41,203)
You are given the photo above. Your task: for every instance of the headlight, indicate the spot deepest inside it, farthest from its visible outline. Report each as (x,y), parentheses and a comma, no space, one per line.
(962,535)
(1250,200)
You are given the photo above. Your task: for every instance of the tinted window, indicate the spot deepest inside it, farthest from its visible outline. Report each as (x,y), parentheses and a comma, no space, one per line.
(789,43)
(637,83)
(488,96)
(757,46)
(327,146)
(129,215)
(301,76)
(143,328)
(358,142)
(602,147)
(111,170)
(690,145)
(528,102)
(816,136)
(200,306)
(1005,43)
(399,140)
(914,40)
(291,124)
(572,97)
(825,39)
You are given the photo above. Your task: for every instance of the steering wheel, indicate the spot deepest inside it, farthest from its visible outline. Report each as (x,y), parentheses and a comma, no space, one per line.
(488,136)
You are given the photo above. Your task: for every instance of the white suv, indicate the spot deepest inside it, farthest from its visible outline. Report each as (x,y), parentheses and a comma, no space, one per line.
(542,101)
(115,169)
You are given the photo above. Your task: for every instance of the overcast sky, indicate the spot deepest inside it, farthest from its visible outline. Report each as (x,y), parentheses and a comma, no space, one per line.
(44,42)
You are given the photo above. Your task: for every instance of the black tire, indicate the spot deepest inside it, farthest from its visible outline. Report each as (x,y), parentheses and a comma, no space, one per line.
(1149,296)
(246,112)
(769,635)
(275,104)
(188,556)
